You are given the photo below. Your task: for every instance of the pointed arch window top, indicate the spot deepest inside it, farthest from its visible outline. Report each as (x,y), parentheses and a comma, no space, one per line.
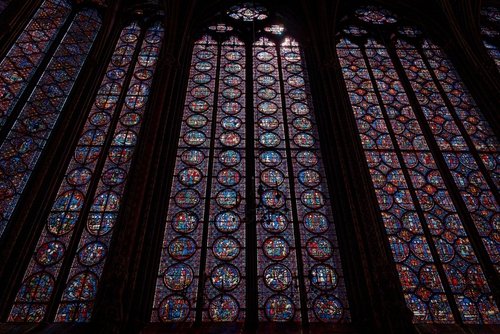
(376,15)
(248,12)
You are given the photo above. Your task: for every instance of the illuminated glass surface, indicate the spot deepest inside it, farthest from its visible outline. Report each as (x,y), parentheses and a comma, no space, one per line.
(436,263)
(26,139)
(211,184)
(29,50)
(490,32)
(66,210)
(86,269)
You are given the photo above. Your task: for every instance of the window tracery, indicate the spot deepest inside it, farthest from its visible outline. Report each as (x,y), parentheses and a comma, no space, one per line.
(409,102)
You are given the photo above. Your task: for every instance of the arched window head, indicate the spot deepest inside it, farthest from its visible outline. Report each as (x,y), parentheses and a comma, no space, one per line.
(433,162)
(490,32)
(249,231)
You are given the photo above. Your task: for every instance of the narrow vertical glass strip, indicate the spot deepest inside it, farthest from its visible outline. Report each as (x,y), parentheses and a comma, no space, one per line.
(464,274)
(30,48)
(473,187)
(79,295)
(422,286)
(322,266)
(225,287)
(178,274)
(277,273)
(466,110)
(26,140)
(30,304)
(490,32)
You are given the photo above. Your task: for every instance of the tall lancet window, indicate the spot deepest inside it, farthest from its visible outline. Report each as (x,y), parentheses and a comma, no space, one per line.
(36,77)
(62,278)
(249,231)
(490,32)
(433,161)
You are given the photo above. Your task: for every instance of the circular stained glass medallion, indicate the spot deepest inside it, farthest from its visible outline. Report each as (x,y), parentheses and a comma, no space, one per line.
(233,55)
(226,248)
(231,123)
(228,177)
(267,108)
(274,222)
(114,176)
(319,248)
(307,158)
(276,248)
(79,176)
(187,198)
(297,94)
(272,177)
(231,107)
(203,66)
(233,68)
(200,92)
(313,199)
(269,139)
(269,123)
(99,119)
(231,93)
(50,253)
(190,176)
(225,277)
(194,138)
(264,56)
(292,56)
(277,277)
(174,308)
(199,106)
(327,308)
(232,80)
(92,253)
(196,121)
(192,157)
(323,277)
(266,80)
(227,222)
(302,124)
(205,55)
(279,308)
(299,109)
(270,158)
(182,248)
(296,81)
(223,308)
(184,222)
(316,222)
(293,68)
(265,68)
(304,140)
(230,139)
(273,199)
(309,178)
(178,277)
(228,198)
(202,78)
(229,158)
(375,15)
(266,93)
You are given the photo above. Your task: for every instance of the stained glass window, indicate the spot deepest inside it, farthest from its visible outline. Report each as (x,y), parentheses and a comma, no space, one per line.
(490,32)
(421,130)
(249,195)
(30,130)
(109,136)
